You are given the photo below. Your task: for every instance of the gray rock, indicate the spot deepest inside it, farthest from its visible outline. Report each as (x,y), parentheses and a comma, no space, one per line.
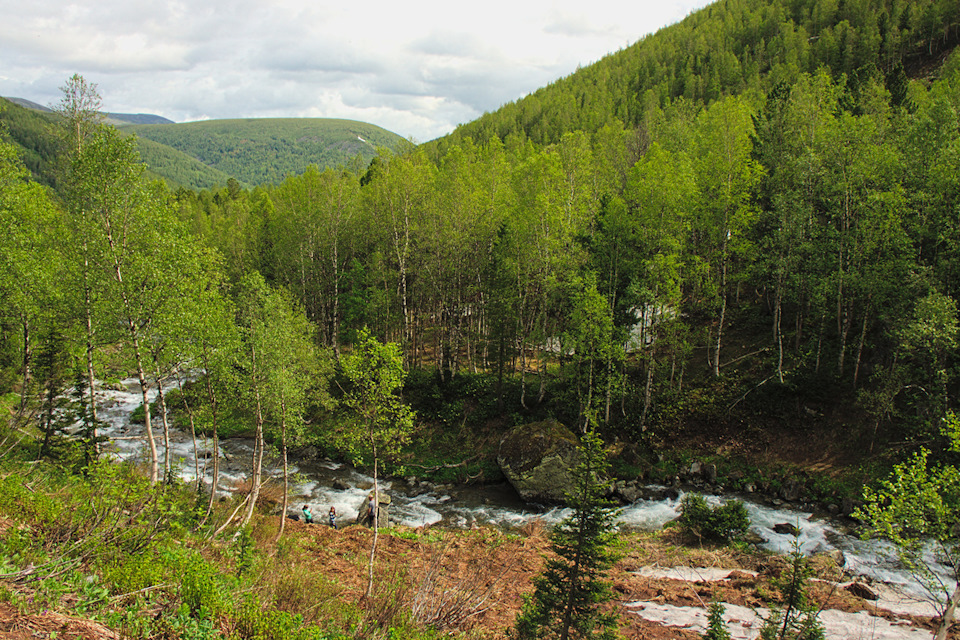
(695,468)
(837,556)
(790,491)
(862,591)
(630,494)
(340,485)
(538,459)
(849,505)
(308,453)
(710,473)
(785,528)
(752,537)
(383,511)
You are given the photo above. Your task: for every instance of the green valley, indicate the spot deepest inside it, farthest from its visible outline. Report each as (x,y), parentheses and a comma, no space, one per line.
(724,261)
(262,150)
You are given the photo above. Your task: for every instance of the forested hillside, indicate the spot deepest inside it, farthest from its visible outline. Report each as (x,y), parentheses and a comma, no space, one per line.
(267,150)
(760,256)
(731,47)
(204,155)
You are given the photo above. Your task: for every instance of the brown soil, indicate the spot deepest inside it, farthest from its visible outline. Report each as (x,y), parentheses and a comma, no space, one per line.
(49,624)
(495,570)
(488,561)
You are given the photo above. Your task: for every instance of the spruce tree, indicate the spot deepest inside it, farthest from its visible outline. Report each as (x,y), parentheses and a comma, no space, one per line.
(796,617)
(716,627)
(569,592)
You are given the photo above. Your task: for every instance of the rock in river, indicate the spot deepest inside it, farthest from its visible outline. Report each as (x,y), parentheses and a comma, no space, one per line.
(538,460)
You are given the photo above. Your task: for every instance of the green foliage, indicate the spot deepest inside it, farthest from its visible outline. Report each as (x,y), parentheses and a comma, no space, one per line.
(257,151)
(916,506)
(725,49)
(243,551)
(375,374)
(178,169)
(716,627)
(795,616)
(722,523)
(568,593)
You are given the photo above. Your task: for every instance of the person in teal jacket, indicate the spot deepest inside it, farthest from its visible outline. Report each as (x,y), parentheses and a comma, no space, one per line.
(307,516)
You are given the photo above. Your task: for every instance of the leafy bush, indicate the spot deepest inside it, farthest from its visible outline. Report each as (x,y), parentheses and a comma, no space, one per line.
(723,523)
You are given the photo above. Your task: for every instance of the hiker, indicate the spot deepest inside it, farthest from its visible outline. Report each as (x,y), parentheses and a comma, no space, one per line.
(372,512)
(333,517)
(307,516)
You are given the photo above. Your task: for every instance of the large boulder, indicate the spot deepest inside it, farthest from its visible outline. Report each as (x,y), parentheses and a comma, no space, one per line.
(538,459)
(383,511)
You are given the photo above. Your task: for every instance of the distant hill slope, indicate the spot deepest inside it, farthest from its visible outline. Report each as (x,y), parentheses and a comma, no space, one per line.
(120,119)
(729,47)
(31,128)
(115,119)
(266,150)
(177,168)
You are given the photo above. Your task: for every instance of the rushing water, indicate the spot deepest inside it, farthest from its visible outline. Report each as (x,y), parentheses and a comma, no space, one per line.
(418,504)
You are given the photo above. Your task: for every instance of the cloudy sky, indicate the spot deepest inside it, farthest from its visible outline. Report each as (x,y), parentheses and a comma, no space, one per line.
(415,67)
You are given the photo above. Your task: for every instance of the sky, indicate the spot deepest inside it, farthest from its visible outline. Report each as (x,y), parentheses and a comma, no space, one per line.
(416,67)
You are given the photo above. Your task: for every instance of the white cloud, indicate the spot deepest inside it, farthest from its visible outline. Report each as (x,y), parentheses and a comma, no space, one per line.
(418,68)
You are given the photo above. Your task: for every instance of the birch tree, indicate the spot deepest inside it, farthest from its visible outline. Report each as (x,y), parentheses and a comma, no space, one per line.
(383,422)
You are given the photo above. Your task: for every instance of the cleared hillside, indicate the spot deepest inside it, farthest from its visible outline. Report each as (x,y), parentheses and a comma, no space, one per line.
(266,150)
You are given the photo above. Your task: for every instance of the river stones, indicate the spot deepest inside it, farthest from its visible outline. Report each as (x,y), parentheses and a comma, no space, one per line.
(862,591)
(786,529)
(538,460)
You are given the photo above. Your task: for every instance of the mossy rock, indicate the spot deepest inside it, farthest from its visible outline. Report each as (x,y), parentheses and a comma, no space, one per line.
(538,460)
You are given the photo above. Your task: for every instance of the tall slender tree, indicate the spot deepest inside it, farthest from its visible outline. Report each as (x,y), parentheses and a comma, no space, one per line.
(375,375)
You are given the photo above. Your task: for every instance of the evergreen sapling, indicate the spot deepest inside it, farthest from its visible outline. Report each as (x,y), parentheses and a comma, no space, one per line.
(569,592)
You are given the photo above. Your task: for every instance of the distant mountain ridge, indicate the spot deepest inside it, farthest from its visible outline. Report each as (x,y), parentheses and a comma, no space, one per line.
(205,154)
(115,119)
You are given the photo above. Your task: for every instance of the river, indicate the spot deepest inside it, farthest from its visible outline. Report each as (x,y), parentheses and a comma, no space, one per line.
(418,504)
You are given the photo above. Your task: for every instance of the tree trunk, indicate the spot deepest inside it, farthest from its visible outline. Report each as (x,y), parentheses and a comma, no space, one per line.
(844,332)
(167,470)
(24,390)
(375,521)
(193,432)
(215,479)
(88,313)
(863,337)
(716,355)
(947,618)
(286,475)
(647,394)
(257,447)
(777,334)
(144,394)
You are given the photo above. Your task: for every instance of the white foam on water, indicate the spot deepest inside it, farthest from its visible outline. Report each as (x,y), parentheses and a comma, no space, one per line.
(650,515)
(873,559)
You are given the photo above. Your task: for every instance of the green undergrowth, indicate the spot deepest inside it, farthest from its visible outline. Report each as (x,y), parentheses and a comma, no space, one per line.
(108,545)
(735,474)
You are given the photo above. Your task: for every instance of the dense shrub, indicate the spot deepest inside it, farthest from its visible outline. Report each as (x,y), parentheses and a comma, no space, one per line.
(722,523)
